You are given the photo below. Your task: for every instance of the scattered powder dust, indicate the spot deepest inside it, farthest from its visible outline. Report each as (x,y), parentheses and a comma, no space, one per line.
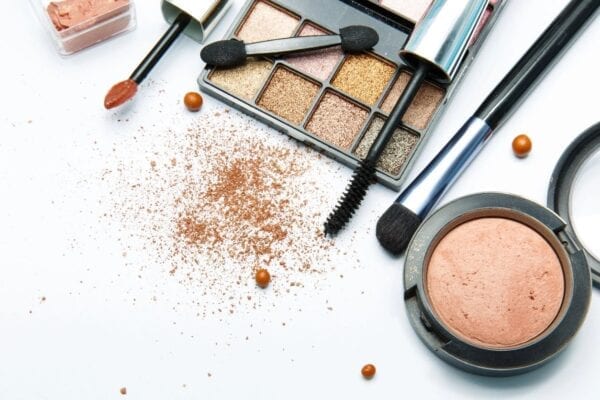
(210,204)
(245,212)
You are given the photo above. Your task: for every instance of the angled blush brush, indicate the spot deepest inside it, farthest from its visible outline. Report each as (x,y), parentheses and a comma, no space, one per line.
(398,224)
(231,53)
(434,50)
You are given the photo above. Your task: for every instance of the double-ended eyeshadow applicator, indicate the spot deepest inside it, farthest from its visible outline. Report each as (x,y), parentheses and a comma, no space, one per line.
(398,224)
(232,53)
(434,50)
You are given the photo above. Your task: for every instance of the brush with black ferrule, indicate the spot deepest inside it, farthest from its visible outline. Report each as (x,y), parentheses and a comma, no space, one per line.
(184,17)
(434,50)
(232,53)
(399,223)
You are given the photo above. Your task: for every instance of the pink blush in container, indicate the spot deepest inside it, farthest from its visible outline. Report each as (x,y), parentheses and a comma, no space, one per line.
(77,24)
(495,284)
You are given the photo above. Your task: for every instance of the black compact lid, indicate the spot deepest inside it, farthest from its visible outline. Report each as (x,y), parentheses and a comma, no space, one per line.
(561,186)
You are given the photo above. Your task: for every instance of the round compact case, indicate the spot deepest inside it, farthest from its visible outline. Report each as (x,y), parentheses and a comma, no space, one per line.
(498,285)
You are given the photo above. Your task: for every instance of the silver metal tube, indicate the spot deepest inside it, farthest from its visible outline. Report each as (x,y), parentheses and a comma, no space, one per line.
(433,182)
(442,37)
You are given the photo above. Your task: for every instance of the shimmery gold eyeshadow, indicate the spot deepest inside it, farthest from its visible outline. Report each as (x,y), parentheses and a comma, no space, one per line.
(265,22)
(396,152)
(364,77)
(337,121)
(320,63)
(424,104)
(244,81)
(288,95)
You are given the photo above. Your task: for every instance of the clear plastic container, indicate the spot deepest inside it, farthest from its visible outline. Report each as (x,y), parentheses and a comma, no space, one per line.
(77,24)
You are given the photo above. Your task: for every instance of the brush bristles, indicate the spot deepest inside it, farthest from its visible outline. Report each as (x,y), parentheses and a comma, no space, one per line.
(396,228)
(363,176)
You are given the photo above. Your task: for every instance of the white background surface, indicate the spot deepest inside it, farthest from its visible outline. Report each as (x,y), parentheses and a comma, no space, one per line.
(87,339)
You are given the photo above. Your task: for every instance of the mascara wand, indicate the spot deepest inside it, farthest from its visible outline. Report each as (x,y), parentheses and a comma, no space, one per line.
(364,174)
(435,50)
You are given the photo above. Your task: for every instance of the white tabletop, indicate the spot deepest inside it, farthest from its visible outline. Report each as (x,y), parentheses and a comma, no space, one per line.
(79,321)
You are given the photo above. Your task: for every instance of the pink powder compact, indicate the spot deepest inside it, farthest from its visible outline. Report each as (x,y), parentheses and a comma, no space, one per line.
(496,284)
(77,24)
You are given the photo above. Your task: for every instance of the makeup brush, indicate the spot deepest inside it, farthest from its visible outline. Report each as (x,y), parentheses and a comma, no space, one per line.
(435,49)
(192,18)
(398,224)
(231,53)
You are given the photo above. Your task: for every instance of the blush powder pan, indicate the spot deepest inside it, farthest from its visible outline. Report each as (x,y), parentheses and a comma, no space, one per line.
(498,285)
(495,285)
(331,100)
(495,282)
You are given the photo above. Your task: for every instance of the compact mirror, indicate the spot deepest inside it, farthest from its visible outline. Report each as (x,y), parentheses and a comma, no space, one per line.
(585,205)
(574,194)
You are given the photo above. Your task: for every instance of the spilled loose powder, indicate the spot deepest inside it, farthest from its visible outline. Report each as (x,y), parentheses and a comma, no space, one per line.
(244,212)
(213,204)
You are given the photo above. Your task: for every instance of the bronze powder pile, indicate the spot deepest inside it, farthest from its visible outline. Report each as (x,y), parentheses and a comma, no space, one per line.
(212,204)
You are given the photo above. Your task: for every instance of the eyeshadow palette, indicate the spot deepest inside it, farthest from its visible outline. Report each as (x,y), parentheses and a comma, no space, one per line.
(330,100)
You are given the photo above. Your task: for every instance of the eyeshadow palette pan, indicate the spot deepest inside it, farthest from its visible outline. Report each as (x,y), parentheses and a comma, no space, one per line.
(412,10)
(329,100)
